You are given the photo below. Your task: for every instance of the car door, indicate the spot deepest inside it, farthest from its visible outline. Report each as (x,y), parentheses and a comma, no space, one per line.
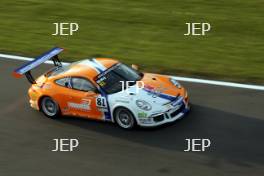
(83,100)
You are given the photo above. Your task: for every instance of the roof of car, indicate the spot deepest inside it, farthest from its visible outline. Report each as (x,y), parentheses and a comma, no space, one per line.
(89,68)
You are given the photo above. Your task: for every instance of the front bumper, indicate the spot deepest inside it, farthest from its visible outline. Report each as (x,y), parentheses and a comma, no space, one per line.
(166,117)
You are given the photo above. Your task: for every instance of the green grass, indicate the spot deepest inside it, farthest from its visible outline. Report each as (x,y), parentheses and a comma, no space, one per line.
(147,33)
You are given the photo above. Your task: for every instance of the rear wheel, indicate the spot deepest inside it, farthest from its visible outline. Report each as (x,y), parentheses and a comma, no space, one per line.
(49,107)
(124,118)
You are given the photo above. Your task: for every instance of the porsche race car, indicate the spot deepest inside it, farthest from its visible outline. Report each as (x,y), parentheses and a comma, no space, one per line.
(104,89)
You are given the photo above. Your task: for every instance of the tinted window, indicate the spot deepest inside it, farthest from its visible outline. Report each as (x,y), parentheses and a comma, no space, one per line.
(82,84)
(65,82)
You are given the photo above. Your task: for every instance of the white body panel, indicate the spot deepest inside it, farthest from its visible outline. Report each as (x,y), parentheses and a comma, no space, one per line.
(159,106)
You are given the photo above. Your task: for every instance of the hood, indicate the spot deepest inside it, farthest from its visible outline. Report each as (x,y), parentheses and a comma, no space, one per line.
(157,89)
(160,84)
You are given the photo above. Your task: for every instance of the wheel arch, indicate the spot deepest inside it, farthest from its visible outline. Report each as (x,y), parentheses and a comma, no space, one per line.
(43,96)
(121,106)
(39,101)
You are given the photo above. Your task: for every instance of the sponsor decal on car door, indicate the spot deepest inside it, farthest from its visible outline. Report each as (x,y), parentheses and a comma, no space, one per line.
(86,105)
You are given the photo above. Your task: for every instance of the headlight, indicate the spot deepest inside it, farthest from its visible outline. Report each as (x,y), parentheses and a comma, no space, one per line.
(143,105)
(175,82)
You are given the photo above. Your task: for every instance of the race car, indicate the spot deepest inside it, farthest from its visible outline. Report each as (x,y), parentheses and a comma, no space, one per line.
(104,89)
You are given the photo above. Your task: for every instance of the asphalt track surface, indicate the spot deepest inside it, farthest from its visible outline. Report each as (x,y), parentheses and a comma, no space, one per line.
(232,118)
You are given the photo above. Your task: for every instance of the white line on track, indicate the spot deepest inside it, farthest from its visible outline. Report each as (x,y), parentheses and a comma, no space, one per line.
(220,83)
(193,80)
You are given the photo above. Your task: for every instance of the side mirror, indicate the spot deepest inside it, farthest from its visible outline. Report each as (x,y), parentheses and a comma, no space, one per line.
(135,67)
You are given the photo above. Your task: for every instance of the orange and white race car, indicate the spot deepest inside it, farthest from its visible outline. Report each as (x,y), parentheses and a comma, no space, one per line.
(104,89)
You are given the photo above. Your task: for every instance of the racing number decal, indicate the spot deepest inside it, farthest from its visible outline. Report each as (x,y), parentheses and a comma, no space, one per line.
(103,106)
(101,102)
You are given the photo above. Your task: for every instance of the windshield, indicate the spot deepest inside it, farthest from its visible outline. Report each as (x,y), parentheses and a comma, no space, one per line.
(111,80)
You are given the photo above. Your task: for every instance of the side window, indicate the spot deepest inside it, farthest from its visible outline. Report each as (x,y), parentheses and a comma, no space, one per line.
(82,84)
(65,82)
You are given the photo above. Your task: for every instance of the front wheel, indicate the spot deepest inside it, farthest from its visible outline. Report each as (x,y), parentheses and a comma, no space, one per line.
(124,118)
(49,107)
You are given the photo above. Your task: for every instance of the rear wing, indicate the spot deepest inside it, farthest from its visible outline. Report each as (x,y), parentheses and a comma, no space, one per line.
(27,67)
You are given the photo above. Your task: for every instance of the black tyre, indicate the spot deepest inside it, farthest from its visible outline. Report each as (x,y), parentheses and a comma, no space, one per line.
(124,118)
(49,107)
